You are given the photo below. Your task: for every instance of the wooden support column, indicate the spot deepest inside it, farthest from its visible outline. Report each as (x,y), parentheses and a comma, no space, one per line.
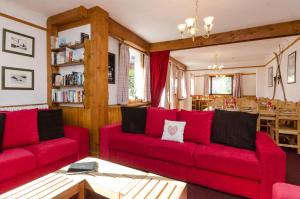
(94,114)
(99,70)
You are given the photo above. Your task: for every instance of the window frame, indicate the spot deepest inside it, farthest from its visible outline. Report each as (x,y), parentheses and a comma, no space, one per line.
(210,82)
(136,101)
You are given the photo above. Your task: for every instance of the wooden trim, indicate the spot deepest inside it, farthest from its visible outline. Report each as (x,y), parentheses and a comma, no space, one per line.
(67,17)
(178,64)
(285,49)
(11,106)
(231,74)
(227,68)
(284,29)
(122,33)
(22,21)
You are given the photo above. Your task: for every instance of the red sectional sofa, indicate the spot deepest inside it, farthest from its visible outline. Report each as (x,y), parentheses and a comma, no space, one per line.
(23,164)
(233,170)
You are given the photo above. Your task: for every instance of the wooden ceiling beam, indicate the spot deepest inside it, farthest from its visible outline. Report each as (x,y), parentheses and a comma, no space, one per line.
(226,68)
(284,29)
(179,64)
(68,17)
(122,33)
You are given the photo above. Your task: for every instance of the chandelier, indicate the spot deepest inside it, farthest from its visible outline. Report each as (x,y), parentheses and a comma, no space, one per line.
(191,27)
(216,67)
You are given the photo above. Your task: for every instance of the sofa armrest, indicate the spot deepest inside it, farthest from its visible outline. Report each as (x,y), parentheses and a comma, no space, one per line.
(104,139)
(272,161)
(81,135)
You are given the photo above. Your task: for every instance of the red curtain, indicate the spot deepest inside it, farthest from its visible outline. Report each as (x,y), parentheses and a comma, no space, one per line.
(158,74)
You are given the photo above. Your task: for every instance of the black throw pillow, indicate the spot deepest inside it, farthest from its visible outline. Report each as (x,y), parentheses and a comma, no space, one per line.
(50,124)
(237,129)
(134,119)
(2,122)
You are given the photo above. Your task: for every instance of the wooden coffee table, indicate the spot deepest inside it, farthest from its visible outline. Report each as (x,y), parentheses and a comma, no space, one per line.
(111,181)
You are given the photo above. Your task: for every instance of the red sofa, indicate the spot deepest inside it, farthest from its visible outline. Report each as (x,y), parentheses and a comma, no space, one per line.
(285,191)
(21,165)
(237,171)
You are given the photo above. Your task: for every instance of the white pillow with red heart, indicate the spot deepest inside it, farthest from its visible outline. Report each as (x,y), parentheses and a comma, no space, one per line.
(173,131)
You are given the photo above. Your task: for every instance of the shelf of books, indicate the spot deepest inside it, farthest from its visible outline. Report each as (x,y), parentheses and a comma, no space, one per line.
(69,66)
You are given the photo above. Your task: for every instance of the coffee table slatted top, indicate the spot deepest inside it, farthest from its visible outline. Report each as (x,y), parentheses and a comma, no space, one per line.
(111,181)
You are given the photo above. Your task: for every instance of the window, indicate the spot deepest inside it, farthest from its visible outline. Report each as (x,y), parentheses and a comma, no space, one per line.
(221,85)
(136,75)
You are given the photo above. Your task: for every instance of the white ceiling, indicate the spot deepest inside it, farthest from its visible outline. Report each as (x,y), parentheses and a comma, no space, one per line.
(254,53)
(156,20)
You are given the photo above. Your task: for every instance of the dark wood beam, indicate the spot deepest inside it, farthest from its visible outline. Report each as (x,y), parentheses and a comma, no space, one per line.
(68,17)
(226,68)
(178,64)
(120,32)
(284,29)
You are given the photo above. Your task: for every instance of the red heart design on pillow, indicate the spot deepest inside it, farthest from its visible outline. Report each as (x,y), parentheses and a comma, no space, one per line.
(172,130)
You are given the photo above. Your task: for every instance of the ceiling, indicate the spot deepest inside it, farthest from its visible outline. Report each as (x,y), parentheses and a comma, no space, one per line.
(254,53)
(156,20)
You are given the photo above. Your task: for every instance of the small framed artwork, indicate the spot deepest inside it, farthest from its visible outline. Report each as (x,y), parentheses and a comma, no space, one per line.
(17,78)
(18,43)
(291,68)
(270,76)
(111,68)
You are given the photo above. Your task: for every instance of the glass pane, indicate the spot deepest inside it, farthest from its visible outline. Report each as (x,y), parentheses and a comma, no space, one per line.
(135,75)
(221,85)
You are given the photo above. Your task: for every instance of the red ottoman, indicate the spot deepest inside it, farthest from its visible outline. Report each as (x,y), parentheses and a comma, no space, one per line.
(285,191)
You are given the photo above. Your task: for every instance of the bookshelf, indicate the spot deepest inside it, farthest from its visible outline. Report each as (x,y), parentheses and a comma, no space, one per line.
(92,112)
(69,89)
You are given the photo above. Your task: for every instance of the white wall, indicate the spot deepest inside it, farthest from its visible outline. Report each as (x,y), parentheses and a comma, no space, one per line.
(113,47)
(38,63)
(12,8)
(291,90)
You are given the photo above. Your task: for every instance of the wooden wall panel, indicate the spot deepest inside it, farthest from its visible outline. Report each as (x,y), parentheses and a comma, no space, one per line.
(114,114)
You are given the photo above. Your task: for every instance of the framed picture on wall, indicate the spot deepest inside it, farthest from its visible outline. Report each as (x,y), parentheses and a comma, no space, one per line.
(17,43)
(291,68)
(17,78)
(111,68)
(270,76)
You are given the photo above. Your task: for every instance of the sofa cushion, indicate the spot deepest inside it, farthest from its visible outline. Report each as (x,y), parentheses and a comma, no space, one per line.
(53,150)
(181,153)
(14,162)
(134,119)
(20,128)
(228,160)
(50,124)
(131,143)
(156,119)
(237,129)
(173,131)
(2,122)
(198,125)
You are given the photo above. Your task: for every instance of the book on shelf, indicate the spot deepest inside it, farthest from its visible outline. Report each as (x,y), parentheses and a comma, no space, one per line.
(68,55)
(73,79)
(69,96)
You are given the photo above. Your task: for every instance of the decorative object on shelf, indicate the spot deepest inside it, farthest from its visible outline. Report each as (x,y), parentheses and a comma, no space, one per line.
(17,43)
(278,76)
(111,68)
(291,68)
(84,36)
(17,78)
(270,76)
(191,27)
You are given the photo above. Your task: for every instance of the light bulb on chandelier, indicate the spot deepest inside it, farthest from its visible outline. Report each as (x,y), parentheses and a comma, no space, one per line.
(191,26)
